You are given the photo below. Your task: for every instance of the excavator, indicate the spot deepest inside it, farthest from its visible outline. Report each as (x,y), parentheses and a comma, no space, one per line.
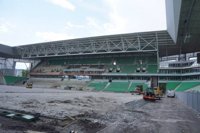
(29,84)
(138,90)
(153,91)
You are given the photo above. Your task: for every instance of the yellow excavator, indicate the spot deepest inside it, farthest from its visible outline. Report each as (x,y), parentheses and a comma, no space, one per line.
(29,84)
(158,92)
(153,91)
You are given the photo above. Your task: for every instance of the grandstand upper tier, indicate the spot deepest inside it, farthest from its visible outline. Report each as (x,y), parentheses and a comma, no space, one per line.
(124,63)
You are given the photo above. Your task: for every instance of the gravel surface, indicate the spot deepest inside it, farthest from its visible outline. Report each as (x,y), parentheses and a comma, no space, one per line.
(60,103)
(95,112)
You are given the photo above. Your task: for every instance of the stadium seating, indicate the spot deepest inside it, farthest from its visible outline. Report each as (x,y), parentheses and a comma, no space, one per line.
(134,84)
(152,68)
(127,68)
(171,85)
(70,61)
(124,60)
(117,86)
(98,85)
(89,61)
(106,60)
(55,62)
(187,85)
(196,88)
(124,65)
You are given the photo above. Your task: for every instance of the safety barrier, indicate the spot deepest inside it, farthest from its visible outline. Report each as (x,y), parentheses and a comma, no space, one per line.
(191,99)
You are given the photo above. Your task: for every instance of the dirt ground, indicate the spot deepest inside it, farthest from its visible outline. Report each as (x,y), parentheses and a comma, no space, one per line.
(94,112)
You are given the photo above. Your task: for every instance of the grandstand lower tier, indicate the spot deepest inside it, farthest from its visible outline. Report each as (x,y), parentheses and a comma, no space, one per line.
(129,86)
(108,85)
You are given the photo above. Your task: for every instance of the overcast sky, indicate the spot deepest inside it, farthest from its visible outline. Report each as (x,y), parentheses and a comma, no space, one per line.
(33,21)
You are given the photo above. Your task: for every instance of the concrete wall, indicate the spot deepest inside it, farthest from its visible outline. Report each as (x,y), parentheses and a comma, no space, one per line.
(173,8)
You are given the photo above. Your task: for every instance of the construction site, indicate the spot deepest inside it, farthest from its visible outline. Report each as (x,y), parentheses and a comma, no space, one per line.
(59,110)
(144,82)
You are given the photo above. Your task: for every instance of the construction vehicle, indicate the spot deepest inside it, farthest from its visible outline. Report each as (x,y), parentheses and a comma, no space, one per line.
(158,92)
(138,90)
(153,92)
(149,95)
(29,85)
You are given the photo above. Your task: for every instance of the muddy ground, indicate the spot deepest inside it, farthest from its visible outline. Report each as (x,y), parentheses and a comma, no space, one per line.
(94,112)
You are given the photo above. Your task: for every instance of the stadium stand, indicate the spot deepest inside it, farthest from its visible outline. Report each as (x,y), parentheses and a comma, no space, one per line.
(98,85)
(185,85)
(196,88)
(171,85)
(135,84)
(127,68)
(97,65)
(128,86)
(115,64)
(117,86)
(152,68)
